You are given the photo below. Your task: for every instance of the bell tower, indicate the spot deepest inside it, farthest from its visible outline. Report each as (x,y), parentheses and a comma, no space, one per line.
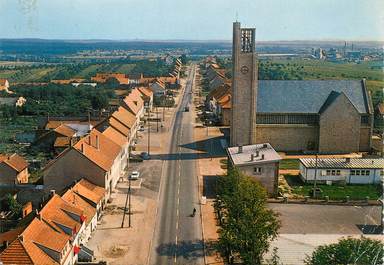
(244,86)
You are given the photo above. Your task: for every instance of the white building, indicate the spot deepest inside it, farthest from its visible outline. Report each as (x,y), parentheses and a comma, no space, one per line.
(259,161)
(348,170)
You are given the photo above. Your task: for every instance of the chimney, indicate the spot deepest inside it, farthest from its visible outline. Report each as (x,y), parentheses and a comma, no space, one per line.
(262,157)
(5,243)
(240,149)
(348,159)
(89,139)
(52,192)
(252,157)
(82,148)
(21,238)
(97,142)
(265,145)
(257,153)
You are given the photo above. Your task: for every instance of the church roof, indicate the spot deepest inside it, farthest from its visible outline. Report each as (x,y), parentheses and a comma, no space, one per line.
(308,96)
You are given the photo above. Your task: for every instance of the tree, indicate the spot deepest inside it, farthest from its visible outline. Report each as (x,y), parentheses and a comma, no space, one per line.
(247,226)
(348,251)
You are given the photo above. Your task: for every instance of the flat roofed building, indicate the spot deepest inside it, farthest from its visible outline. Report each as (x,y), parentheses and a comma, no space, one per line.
(345,170)
(259,161)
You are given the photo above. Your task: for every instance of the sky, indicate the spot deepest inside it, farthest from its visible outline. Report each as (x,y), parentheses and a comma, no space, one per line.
(192,19)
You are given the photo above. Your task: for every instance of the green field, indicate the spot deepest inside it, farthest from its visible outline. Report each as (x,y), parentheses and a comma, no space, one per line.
(289,164)
(335,191)
(316,69)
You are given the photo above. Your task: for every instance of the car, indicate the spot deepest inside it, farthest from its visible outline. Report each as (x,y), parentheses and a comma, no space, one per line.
(141,128)
(186,109)
(145,156)
(134,175)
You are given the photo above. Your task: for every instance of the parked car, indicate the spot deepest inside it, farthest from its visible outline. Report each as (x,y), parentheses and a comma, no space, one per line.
(145,156)
(135,158)
(134,175)
(186,109)
(141,128)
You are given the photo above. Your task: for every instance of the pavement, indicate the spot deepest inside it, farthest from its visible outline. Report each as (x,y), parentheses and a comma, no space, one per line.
(305,227)
(178,235)
(132,245)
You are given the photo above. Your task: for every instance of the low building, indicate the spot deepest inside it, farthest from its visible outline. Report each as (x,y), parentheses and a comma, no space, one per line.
(13,169)
(344,170)
(259,161)
(104,77)
(158,88)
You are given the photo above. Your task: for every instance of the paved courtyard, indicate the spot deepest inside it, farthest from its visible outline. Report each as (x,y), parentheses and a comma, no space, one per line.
(304,227)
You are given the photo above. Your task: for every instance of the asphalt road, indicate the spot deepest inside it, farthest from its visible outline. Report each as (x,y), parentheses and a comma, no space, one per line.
(178,238)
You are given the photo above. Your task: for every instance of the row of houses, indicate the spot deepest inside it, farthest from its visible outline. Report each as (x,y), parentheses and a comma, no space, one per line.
(218,100)
(100,156)
(79,180)
(59,231)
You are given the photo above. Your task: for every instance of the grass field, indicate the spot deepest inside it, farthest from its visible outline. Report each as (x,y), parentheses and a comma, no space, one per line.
(289,164)
(334,192)
(10,127)
(315,69)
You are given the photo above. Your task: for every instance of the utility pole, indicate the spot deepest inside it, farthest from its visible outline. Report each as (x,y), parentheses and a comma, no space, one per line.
(129,203)
(315,180)
(157,120)
(149,132)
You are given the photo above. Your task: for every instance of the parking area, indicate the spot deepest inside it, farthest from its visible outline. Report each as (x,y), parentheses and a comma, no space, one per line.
(305,227)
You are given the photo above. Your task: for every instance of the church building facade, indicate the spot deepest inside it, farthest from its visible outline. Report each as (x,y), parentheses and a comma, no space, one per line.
(325,116)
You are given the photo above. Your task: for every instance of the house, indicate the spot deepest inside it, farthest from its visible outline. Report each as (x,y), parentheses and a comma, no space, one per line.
(135,105)
(95,157)
(90,212)
(4,85)
(93,194)
(158,88)
(13,169)
(147,96)
(39,244)
(344,170)
(104,77)
(223,110)
(135,78)
(259,161)
(67,81)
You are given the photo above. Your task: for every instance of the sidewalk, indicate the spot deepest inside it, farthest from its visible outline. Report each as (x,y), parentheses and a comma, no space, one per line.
(208,170)
(130,246)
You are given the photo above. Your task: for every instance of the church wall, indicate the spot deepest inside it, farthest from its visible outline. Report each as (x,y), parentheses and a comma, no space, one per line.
(290,137)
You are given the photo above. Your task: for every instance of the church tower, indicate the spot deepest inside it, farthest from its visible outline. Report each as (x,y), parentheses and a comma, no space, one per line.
(244,86)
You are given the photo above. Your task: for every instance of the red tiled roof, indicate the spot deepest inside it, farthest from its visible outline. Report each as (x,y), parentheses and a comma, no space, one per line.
(55,213)
(39,233)
(62,142)
(103,155)
(89,190)
(65,130)
(16,254)
(14,161)
(71,197)
(115,136)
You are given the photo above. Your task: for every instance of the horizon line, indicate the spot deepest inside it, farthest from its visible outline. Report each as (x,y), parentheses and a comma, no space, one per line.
(190,40)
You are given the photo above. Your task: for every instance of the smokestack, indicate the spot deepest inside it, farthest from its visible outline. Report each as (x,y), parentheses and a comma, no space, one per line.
(252,157)
(240,149)
(262,157)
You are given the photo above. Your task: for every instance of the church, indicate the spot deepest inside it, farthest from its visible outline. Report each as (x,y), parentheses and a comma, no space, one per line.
(322,116)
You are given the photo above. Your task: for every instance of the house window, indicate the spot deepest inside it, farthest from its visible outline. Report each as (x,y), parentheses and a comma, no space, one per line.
(323,173)
(328,172)
(257,170)
(333,172)
(353,172)
(381,172)
(357,172)
(367,172)
(338,172)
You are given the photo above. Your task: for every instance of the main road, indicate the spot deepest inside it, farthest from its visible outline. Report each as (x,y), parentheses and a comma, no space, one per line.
(178,236)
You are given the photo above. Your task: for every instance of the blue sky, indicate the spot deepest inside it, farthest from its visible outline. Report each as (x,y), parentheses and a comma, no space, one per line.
(192,19)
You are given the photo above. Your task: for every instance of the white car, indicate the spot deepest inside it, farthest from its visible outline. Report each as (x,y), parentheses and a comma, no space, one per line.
(135,175)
